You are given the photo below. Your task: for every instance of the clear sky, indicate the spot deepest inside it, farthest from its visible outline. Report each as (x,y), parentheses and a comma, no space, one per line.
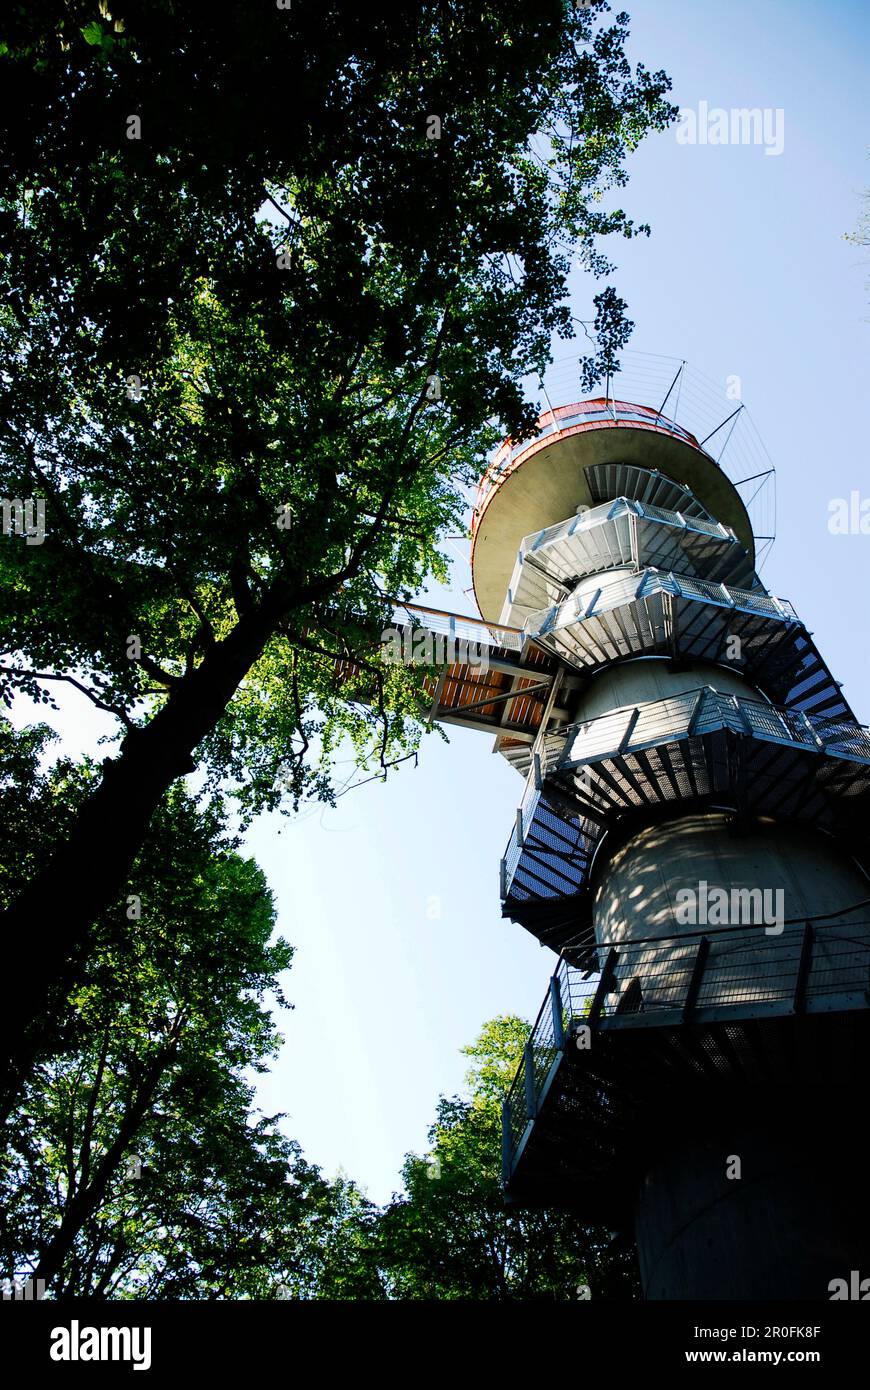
(391,900)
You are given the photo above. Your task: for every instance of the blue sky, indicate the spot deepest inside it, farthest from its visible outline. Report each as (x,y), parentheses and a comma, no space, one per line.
(391,900)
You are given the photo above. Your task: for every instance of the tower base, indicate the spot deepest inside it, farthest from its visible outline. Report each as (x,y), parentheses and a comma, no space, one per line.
(792,1218)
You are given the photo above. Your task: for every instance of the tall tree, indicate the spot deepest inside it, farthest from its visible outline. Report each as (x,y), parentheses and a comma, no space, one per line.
(449,1234)
(271,286)
(133,1164)
(861,234)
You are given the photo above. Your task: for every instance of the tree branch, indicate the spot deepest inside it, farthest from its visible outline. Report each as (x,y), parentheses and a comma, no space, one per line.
(70,680)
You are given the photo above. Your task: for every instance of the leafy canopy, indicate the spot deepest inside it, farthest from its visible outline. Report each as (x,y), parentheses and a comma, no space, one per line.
(217,335)
(133,1163)
(450,1234)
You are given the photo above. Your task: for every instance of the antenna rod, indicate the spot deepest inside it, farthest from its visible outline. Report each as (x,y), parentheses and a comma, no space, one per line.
(671,387)
(722,426)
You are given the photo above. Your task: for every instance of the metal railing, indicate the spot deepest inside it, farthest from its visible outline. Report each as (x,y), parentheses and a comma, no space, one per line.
(727,596)
(566,417)
(603,593)
(624,506)
(459,628)
(695,713)
(704,711)
(715,975)
(688,523)
(623,533)
(544,759)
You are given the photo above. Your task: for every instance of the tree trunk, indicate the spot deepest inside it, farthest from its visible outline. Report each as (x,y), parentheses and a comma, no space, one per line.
(46,928)
(87,1200)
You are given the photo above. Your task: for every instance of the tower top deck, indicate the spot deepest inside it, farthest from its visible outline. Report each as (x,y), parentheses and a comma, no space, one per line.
(543,480)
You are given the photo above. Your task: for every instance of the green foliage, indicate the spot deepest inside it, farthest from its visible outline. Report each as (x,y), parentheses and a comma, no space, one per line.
(33,808)
(231,259)
(134,1165)
(154,1051)
(495,1056)
(449,1234)
(267,387)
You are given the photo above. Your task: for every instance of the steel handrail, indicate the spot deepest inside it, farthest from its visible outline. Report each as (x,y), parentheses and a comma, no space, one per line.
(803,977)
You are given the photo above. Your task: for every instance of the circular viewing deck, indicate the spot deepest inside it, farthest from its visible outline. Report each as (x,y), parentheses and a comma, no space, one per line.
(541,481)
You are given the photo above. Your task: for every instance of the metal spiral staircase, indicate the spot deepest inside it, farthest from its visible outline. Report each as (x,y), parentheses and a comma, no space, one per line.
(695,1018)
(673,721)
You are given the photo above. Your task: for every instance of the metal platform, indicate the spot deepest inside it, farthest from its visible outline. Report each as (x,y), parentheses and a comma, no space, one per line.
(584,414)
(646,485)
(617,534)
(703,748)
(506,688)
(657,613)
(576,1118)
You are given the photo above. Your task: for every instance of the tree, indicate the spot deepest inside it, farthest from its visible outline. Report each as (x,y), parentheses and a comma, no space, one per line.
(241,261)
(134,1166)
(450,1235)
(861,235)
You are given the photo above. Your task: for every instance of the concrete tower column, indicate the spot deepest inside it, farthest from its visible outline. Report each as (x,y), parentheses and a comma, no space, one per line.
(691,836)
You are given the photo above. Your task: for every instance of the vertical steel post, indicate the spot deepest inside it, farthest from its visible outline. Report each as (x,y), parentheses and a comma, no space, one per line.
(803,970)
(529,1079)
(506,1145)
(556,1006)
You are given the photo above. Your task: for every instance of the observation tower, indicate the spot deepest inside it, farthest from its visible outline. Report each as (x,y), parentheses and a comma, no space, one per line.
(691,843)
(693,1072)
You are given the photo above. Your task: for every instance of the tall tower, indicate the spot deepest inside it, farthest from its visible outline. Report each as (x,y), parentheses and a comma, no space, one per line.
(691,842)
